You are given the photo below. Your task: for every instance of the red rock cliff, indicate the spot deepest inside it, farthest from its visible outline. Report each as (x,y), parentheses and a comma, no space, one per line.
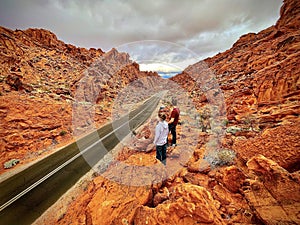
(259,78)
(38,85)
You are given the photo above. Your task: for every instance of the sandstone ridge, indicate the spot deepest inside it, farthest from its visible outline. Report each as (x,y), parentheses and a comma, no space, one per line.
(39,80)
(258,81)
(253,178)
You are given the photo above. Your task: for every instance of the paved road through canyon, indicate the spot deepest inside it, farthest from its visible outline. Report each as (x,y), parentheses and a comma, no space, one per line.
(27,194)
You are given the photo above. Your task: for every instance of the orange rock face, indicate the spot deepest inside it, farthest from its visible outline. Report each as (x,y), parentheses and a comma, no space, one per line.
(273,192)
(28,131)
(39,81)
(187,204)
(253,176)
(280,144)
(259,80)
(113,208)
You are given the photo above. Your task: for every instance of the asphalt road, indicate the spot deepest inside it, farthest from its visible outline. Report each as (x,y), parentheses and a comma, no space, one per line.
(26,195)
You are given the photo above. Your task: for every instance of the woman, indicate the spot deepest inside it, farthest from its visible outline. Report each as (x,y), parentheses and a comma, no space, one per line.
(160,139)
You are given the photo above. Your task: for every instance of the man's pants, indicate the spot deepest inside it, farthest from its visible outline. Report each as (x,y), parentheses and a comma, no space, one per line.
(161,153)
(172,129)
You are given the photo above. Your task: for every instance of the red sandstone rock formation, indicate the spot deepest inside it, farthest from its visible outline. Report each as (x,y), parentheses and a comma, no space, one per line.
(259,77)
(273,192)
(38,88)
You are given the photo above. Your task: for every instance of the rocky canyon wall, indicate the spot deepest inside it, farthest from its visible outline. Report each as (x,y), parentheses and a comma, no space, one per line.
(39,79)
(258,81)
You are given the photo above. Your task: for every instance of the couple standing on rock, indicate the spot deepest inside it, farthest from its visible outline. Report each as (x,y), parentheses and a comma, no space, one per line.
(162,130)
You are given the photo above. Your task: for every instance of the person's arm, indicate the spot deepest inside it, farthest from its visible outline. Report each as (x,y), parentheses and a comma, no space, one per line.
(157,133)
(171,120)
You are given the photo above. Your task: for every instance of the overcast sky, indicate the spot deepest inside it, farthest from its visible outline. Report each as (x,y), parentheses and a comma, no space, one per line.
(173,33)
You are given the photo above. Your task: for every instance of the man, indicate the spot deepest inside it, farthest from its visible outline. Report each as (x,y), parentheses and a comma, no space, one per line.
(174,118)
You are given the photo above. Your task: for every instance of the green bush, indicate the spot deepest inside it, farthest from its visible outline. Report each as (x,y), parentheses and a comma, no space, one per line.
(11,163)
(62,133)
(225,122)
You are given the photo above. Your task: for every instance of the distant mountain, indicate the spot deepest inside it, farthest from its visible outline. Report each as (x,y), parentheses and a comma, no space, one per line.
(167,75)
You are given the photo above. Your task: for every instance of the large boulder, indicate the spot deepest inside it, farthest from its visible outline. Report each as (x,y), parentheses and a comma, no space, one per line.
(187,204)
(273,192)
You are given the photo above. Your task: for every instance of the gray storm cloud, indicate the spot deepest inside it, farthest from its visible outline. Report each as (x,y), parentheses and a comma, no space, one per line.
(205,27)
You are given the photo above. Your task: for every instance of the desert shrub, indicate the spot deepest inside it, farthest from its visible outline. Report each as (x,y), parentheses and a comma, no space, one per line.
(226,157)
(225,122)
(62,133)
(221,157)
(11,163)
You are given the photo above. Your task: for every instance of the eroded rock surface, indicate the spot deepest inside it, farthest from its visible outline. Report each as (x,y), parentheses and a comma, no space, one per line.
(273,192)
(258,80)
(51,91)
